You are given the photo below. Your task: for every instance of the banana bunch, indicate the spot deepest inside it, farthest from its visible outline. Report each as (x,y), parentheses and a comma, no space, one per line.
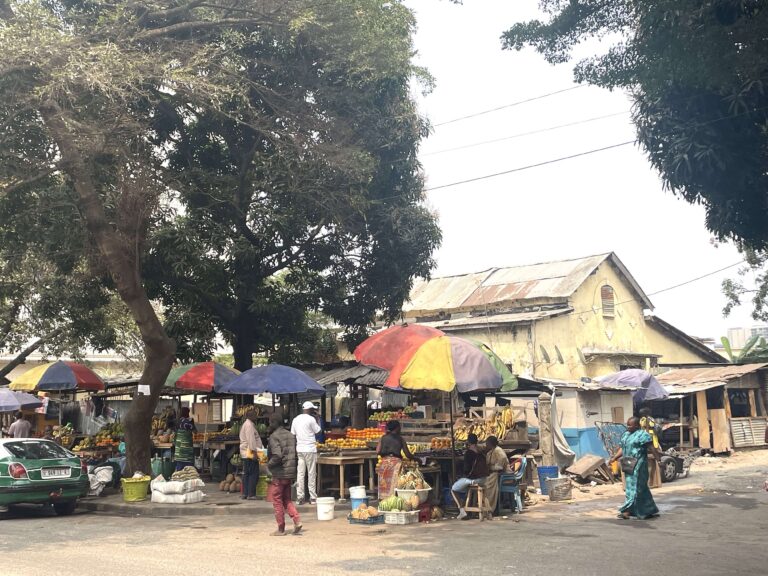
(498,425)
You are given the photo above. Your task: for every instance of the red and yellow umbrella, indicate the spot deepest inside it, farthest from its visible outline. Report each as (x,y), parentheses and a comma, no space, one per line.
(202,377)
(58,376)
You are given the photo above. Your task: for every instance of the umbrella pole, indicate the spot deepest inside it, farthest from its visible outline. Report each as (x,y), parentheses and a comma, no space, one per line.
(453,441)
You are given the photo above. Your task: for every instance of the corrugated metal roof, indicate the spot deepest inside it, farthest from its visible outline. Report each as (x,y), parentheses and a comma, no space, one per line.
(342,374)
(551,281)
(510,318)
(373,378)
(690,380)
(617,352)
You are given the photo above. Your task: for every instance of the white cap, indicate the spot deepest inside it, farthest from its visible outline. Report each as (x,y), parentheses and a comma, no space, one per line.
(308,406)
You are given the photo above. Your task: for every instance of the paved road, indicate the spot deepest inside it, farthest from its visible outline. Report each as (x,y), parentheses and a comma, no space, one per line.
(701,533)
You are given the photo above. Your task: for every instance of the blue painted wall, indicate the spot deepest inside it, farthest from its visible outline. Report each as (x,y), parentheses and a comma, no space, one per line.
(581,440)
(585,441)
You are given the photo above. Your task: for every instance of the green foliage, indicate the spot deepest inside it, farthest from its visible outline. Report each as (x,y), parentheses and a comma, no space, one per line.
(755,350)
(696,71)
(303,194)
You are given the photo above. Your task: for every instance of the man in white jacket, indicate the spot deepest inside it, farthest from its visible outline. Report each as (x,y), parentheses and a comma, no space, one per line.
(305,427)
(250,443)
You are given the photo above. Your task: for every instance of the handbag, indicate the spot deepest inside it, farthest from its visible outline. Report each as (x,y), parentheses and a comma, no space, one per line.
(628,464)
(249,454)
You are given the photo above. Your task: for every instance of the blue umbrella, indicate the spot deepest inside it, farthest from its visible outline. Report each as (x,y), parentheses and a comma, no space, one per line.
(645,385)
(271,379)
(11,401)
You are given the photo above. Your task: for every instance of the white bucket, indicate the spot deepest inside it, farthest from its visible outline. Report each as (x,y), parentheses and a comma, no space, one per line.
(357,492)
(325,507)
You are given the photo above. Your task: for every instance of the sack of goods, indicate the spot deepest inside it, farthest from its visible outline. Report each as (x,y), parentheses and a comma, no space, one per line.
(185,487)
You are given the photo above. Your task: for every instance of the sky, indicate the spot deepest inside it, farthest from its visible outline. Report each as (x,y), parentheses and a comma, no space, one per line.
(603,202)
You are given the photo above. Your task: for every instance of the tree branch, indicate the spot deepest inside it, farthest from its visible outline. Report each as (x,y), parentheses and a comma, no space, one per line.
(199,25)
(285,262)
(21,358)
(16,185)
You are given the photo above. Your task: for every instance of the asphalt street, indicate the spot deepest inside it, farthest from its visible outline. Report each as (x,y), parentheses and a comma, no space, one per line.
(715,522)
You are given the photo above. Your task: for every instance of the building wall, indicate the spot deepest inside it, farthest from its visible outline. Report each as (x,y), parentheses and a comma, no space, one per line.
(586,327)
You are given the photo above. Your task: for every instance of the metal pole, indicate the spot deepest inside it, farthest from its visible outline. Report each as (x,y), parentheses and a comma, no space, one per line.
(453,441)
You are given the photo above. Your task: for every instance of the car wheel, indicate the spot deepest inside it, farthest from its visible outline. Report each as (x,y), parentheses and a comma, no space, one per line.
(668,469)
(65,508)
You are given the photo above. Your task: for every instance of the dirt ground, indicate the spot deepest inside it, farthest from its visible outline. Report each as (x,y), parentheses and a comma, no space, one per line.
(707,473)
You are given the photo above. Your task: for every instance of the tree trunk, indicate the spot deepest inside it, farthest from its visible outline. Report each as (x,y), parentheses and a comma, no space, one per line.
(242,347)
(22,356)
(159,349)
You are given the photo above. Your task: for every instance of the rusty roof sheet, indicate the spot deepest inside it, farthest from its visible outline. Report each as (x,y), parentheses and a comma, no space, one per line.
(495,319)
(552,281)
(688,380)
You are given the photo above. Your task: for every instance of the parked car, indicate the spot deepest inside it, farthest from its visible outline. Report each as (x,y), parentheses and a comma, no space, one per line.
(36,471)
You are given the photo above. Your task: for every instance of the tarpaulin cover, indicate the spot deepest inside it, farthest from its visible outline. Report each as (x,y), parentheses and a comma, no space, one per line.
(644,384)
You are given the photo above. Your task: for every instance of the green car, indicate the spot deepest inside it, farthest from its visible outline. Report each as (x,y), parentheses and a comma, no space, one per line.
(36,471)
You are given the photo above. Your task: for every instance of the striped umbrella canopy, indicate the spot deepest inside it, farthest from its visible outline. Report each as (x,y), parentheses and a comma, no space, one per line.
(424,358)
(11,401)
(58,376)
(203,377)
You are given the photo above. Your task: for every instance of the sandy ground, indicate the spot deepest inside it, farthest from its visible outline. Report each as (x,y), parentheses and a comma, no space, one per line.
(708,473)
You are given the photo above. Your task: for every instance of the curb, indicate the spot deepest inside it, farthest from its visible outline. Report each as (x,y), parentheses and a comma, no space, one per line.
(150,510)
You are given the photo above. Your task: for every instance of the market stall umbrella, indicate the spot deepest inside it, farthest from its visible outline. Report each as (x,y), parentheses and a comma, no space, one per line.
(202,377)
(423,358)
(58,376)
(431,360)
(271,379)
(11,401)
(644,385)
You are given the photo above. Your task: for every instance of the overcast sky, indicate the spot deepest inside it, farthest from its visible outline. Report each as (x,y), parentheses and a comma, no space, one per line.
(608,201)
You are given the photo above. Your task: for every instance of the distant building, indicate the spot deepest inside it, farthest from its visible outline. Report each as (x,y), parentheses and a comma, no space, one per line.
(737,337)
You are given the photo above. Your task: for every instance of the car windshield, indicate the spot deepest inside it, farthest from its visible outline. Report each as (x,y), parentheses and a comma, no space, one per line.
(36,450)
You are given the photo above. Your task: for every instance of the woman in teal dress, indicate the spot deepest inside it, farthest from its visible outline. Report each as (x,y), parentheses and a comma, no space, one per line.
(635,443)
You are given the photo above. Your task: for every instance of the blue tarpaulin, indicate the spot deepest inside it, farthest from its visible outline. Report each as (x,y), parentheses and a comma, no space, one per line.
(644,384)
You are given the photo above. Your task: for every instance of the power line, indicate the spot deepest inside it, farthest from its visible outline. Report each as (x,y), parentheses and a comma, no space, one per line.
(531,133)
(529,166)
(505,106)
(697,278)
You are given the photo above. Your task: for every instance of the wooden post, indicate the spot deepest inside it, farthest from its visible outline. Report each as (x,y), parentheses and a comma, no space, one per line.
(726,403)
(681,421)
(453,441)
(752,403)
(546,439)
(703,416)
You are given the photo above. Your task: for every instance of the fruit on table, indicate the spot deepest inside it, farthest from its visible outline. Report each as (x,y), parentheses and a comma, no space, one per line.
(364,434)
(498,425)
(345,443)
(385,416)
(392,504)
(440,444)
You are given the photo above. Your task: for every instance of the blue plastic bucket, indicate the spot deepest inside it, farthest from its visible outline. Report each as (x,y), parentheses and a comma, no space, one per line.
(544,473)
(357,501)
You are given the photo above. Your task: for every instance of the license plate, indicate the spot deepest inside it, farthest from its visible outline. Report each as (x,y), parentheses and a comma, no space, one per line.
(55,472)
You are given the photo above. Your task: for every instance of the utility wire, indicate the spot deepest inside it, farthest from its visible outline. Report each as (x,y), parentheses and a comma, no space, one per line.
(531,133)
(529,166)
(505,106)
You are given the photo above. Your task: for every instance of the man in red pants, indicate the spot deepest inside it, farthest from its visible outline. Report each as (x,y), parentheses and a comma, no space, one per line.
(283,464)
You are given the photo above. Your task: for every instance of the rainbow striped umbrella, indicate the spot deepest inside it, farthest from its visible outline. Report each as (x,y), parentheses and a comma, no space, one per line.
(58,376)
(202,377)
(424,358)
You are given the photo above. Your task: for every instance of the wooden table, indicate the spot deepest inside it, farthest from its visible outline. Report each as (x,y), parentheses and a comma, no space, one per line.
(344,460)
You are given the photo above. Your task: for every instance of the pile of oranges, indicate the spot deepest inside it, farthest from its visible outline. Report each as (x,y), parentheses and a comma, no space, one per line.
(367,434)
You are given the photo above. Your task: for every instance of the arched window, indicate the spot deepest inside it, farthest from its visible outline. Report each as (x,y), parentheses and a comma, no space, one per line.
(608,301)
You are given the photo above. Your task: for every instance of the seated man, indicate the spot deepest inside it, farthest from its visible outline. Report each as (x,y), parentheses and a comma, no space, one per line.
(475,469)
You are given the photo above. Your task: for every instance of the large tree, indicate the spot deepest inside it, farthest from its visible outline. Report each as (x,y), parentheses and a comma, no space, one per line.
(307,196)
(84,80)
(697,71)
(107,97)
